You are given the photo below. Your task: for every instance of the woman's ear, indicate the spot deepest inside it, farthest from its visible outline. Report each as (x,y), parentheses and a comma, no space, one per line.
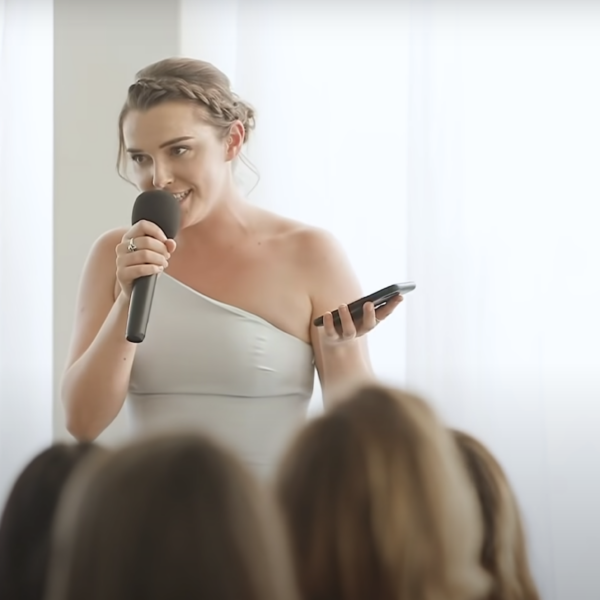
(235,140)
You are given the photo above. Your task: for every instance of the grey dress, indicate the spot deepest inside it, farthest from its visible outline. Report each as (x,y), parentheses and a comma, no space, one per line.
(216,368)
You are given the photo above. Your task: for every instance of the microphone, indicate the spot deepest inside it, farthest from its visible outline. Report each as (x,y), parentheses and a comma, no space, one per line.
(162,208)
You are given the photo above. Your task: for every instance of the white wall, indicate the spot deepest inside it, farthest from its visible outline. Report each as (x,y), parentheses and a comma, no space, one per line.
(209,30)
(98,47)
(25,233)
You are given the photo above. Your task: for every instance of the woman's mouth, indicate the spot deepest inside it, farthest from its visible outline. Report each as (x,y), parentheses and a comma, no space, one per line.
(181,196)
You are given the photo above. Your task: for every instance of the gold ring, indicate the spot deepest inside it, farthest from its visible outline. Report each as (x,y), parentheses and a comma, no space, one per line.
(131,247)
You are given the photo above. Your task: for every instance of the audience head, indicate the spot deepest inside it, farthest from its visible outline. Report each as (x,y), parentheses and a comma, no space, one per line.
(170,517)
(378,505)
(503,552)
(25,528)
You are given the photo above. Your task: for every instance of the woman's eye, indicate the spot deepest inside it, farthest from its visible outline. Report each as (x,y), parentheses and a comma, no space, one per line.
(179,150)
(138,158)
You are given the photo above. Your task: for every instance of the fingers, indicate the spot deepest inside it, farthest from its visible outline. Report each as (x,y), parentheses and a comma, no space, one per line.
(344,330)
(145,235)
(143,245)
(348,327)
(128,274)
(328,326)
(133,265)
(143,257)
(144,250)
(388,308)
(171,246)
(145,228)
(369,320)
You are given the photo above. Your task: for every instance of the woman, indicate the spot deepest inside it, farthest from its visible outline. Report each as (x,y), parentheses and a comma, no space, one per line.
(378,504)
(230,345)
(27,520)
(503,552)
(172,517)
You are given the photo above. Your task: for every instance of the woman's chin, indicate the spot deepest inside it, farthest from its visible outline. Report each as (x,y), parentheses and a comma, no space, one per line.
(193,216)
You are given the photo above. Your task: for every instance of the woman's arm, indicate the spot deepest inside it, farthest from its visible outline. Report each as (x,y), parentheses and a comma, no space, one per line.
(332,282)
(96,377)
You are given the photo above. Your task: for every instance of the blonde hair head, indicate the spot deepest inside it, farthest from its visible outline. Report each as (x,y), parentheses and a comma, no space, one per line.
(187,80)
(503,551)
(378,504)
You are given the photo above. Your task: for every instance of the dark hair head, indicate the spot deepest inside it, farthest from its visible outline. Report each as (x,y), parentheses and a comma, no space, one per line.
(170,517)
(25,529)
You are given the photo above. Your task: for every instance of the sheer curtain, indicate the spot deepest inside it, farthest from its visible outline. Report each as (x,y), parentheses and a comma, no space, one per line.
(503,240)
(331,137)
(456,144)
(25,233)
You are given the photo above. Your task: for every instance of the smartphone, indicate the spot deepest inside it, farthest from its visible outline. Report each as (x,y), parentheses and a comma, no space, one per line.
(379,299)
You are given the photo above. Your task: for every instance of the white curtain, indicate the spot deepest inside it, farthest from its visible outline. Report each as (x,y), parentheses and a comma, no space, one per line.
(25,233)
(331,136)
(504,206)
(456,144)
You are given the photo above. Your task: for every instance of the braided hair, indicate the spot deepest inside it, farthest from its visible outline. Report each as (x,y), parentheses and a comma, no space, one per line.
(186,79)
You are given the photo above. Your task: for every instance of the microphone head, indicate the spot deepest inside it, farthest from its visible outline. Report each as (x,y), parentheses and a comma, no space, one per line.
(160,207)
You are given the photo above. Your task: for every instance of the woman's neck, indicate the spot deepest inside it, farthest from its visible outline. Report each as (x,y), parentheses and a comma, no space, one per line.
(230,221)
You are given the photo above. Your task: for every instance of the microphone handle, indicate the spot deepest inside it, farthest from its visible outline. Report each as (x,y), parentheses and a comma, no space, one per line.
(142,294)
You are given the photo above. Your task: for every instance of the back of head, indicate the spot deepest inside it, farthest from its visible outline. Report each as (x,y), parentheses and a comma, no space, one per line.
(25,529)
(188,80)
(378,505)
(175,517)
(503,552)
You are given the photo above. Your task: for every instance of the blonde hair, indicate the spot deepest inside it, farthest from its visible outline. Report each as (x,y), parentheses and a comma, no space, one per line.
(188,80)
(378,504)
(503,552)
(172,517)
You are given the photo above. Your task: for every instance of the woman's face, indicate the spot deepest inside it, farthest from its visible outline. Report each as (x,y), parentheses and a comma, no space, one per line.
(170,147)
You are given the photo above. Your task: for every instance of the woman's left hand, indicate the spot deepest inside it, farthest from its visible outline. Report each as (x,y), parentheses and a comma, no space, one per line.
(348,329)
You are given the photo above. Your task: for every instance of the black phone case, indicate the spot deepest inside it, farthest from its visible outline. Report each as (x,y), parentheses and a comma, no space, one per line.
(379,299)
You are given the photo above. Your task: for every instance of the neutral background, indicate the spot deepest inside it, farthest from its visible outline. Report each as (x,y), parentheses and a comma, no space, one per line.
(442,142)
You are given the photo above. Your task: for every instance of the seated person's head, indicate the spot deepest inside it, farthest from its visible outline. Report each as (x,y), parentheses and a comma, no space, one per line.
(378,505)
(25,529)
(503,551)
(171,517)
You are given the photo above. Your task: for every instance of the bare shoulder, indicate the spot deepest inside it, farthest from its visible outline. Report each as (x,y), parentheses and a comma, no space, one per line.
(320,261)
(318,247)
(319,254)
(306,242)
(96,293)
(108,241)
(100,263)
(314,254)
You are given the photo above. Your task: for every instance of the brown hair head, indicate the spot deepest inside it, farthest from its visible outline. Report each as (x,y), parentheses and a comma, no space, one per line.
(503,552)
(173,517)
(187,80)
(378,505)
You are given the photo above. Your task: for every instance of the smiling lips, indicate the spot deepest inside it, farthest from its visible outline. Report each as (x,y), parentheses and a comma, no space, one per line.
(181,196)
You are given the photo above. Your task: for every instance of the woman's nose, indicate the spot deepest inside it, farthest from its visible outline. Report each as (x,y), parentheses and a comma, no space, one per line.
(162,176)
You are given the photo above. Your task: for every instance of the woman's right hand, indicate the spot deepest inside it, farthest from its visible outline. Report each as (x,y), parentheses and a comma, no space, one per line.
(151,254)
